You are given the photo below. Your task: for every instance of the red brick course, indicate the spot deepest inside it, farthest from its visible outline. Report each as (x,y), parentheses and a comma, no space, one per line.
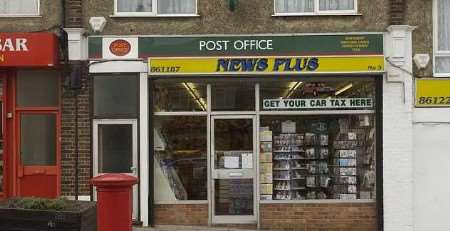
(397,12)
(187,214)
(68,140)
(319,217)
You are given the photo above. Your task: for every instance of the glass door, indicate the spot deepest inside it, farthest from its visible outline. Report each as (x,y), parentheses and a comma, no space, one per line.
(115,150)
(233,156)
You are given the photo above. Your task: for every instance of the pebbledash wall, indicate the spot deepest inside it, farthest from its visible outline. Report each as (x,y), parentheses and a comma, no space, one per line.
(430,123)
(215,18)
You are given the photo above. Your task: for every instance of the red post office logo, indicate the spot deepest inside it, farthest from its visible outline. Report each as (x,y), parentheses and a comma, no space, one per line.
(120,47)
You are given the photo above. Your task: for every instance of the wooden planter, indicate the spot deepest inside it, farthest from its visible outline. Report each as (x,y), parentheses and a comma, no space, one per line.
(82,219)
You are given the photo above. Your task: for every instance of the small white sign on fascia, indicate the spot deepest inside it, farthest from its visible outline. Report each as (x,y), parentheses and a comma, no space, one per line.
(133,52)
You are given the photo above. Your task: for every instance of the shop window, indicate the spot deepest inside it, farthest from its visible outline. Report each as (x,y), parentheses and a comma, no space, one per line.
(116,96)
(314,7)
(442,38)
(307,95)
(19,7)
(170,96)
(180,158)
(317,157)
(233,96)
(155,7)
(37,88)
(38,146)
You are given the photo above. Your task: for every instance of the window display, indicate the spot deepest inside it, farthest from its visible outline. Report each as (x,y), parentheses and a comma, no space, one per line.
(171,96)
(180,158)
(319,157)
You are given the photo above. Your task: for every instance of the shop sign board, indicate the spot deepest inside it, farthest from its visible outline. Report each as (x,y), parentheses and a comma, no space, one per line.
(264,65)
(433,93)
(28,49)
(245,45)
(336,103)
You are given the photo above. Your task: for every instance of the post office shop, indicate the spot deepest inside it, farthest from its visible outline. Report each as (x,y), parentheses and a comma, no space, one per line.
(253,131)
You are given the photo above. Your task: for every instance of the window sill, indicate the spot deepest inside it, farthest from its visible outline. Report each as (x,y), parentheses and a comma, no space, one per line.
(154,16)
(181,202)
(20,16)
(441,75)
(315,15)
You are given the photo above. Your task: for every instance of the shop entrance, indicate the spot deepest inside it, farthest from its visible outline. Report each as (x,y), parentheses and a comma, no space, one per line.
(233,181)
(116,150)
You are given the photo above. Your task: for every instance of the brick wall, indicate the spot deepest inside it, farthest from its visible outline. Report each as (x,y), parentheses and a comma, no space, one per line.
(73,13)
(318,217)
(68,140)
(397,12)
(187,214)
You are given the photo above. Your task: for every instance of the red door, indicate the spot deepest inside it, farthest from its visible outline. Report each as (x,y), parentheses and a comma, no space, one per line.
(3,152)
(36,133)
(37,159)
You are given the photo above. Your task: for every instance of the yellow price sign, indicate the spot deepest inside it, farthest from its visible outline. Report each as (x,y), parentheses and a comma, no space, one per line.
(433,93)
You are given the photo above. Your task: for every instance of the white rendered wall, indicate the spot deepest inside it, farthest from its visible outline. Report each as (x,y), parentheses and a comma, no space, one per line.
(397,131)
(431,169)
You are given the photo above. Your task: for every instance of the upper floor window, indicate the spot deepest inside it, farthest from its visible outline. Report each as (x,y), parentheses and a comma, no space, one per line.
(442,38)
(314,7)
(19,7)
(155,7)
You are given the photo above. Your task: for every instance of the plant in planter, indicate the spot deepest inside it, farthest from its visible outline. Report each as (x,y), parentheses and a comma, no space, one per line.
(47,214)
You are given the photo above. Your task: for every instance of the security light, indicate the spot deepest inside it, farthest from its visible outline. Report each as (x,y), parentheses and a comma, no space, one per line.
(421,60)
(97,23)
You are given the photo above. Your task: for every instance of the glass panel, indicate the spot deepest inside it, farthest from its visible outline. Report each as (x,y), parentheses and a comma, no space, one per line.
(233,96)
(179,96)
(176,6)
(443,26)
(37,88)
(233,140)
(317,157)
(336,5)
(116,95)
(16,7)
(233,197)
(124,6)
(304,95)
(294,6)
(180,158)
(115,148)
(38,139)
(442,64)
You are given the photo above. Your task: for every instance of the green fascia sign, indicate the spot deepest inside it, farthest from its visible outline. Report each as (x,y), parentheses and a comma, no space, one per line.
(253,45)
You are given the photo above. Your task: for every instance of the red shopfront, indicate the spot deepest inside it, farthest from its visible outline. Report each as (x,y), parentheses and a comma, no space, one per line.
(30,115)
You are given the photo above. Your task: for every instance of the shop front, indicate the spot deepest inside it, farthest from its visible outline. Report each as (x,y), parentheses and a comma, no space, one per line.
(30,109)
(271,132)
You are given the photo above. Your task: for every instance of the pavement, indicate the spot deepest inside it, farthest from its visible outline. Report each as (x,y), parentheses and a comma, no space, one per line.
(185,228)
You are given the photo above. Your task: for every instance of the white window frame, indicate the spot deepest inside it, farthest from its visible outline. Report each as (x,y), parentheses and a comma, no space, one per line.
(37,14)
(153,13)
(317,11)
(436,52)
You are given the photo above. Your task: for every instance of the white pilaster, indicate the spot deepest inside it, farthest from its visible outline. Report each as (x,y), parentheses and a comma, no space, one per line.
(398,130)
(77,44)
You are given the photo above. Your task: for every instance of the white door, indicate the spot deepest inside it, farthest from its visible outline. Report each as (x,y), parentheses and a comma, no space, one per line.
(115,149)
(233,162)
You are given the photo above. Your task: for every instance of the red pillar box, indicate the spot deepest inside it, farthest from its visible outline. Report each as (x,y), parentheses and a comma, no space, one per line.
(114,201)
